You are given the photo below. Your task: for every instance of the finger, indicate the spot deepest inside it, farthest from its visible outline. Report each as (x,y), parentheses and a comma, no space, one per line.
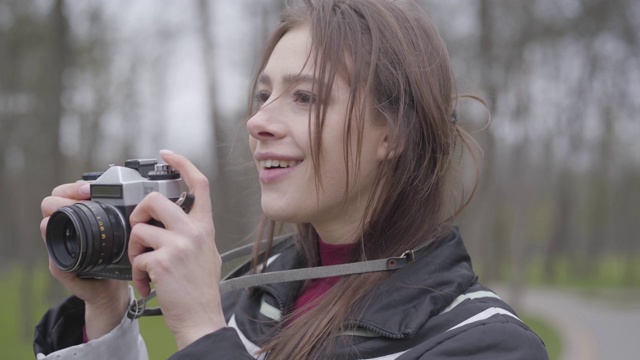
(196,181)
(140,275)
(53,203)
(78,191)
(142,266)
(145,237)
(43,228)
(62,276)
(157,207)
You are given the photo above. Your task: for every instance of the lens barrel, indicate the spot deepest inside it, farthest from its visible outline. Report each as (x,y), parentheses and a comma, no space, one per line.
(86,236)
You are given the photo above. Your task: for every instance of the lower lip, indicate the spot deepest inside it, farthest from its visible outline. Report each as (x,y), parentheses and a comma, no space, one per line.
(268,176)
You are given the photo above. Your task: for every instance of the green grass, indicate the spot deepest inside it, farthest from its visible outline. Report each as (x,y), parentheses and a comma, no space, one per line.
(15,342)
(606,272)
(547,333)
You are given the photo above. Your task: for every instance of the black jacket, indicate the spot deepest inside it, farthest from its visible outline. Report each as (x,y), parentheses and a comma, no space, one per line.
(433,308)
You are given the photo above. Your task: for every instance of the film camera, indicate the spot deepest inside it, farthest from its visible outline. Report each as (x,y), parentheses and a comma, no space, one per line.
(90,238)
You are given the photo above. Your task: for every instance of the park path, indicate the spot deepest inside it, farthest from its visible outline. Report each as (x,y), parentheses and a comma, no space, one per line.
(592,328)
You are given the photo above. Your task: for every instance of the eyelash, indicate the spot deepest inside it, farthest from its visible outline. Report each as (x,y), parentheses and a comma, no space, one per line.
(261,97)
(299,96)
(304,97)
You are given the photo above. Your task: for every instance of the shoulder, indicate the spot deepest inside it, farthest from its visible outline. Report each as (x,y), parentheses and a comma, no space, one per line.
(498,337)
(479,325)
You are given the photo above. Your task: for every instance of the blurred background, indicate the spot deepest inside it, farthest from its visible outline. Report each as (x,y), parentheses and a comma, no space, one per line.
(85,84)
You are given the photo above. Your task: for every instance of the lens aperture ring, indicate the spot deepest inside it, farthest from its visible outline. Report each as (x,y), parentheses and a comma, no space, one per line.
(97,231)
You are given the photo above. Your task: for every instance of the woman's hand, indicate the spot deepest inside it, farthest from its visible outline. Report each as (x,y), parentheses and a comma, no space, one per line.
(181,259)
(106,300)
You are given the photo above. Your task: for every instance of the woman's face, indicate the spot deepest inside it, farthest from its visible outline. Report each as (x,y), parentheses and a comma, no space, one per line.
(280,142)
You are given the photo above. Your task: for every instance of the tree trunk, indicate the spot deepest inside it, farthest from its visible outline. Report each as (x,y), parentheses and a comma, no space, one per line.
(42,166)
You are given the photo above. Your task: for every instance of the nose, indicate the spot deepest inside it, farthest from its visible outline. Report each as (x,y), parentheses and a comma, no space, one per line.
(265,124)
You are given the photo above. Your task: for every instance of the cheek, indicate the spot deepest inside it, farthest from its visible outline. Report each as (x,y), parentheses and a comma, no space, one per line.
(332,166)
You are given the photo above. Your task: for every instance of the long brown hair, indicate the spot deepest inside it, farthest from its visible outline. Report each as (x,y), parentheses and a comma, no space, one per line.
(398,70)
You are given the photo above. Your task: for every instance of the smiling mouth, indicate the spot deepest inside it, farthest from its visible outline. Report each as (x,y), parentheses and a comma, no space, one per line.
(278,164)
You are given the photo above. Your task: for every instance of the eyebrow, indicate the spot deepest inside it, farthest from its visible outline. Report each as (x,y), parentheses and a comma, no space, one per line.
(288,79)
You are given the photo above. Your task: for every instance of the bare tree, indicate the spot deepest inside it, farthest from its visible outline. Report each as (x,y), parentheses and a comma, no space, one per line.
(36,140)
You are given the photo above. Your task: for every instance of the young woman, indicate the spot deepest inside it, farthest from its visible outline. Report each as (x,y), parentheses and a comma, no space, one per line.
(354,136)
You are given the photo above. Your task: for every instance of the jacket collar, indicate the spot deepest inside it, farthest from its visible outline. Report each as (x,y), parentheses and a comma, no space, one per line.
(405,300)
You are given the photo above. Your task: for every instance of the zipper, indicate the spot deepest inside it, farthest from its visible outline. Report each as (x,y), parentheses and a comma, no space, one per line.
(378,331)
(275,296)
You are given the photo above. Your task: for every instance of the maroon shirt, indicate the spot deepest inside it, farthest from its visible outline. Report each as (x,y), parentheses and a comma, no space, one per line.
(330,254)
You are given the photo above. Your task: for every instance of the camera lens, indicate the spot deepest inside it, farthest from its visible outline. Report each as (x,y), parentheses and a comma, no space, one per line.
(70,239)
(86,236)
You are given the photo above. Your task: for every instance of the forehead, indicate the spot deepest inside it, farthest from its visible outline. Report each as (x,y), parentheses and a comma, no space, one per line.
(291,62)
(291,54)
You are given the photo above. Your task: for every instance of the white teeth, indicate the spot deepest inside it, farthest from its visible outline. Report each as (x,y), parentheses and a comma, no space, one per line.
(278,163)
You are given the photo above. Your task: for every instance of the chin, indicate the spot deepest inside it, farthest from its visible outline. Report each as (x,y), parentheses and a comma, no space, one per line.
(282,209)
(283,218)
(278,214)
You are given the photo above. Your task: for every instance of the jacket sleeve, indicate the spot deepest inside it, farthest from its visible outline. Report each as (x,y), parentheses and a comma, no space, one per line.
(496,340)
(59,336)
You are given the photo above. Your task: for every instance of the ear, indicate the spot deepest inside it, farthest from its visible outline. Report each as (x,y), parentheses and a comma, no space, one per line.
(386,150)
(380,128)
(383,148)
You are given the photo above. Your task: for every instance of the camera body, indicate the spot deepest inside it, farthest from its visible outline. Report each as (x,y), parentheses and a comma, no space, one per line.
(91,238)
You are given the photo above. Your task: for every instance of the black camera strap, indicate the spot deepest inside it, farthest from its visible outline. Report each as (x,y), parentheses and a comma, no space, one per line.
(138,307)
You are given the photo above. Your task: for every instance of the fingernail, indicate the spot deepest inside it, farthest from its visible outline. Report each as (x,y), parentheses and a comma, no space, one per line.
(166,152)
(85,190)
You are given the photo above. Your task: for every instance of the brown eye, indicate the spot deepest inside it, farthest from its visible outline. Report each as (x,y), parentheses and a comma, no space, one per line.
(303,97)
(261,97)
